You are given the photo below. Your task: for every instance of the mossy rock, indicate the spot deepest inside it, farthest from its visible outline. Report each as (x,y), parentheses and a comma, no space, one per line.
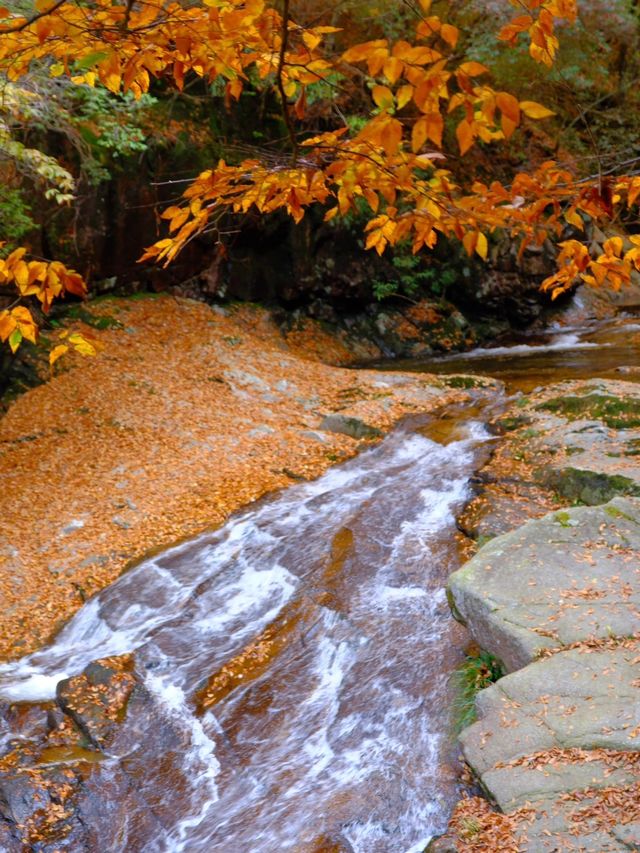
(589,487)
(615,412)
(466,382)
(511,423)
(353,427)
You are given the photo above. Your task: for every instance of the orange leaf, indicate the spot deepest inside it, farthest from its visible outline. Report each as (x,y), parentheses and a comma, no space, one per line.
(450,34)
(383,97)
(473,69)
(393,68)
(509,106)
(391,136)
(465,135)
(56,352)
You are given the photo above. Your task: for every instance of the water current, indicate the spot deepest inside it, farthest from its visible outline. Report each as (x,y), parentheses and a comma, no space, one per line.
(341,580)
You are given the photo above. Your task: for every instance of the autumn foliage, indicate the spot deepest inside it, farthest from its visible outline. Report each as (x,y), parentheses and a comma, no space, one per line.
(422,94)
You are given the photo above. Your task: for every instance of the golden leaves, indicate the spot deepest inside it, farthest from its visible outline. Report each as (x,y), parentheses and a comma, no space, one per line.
(475,241)
(613,266)
(56,353)
(427,127)
(44,281)
(17,324)
(543,44)
(534,110)
(465,134)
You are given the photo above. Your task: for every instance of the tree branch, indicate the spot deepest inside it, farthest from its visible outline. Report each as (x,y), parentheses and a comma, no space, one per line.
(27,23)
(284,41)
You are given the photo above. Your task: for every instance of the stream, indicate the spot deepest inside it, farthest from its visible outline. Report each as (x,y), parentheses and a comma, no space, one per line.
(303,651)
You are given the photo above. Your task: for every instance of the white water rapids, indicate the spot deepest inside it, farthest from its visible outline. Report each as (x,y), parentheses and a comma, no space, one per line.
(345,734)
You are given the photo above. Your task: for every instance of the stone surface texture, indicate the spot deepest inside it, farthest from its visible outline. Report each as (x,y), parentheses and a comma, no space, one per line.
(556,743)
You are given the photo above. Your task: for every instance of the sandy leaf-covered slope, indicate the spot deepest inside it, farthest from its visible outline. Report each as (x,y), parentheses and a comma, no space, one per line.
(187,414)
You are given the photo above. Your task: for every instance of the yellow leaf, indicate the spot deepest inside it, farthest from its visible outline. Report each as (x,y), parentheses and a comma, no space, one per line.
(7,325)
(613,246)
(383,97)
(391,137)
(404,95)
(57,69)
(470,241)
(434,125)
(56,352)
(360,52)
(25,323)
(419,134)
(392,68)
(482,247)
(425,5)
(21,274)
(533,110)
(574,218)
(81,344)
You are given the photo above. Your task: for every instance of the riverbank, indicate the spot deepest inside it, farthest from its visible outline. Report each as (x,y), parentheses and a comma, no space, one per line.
(555,599)
(186,414)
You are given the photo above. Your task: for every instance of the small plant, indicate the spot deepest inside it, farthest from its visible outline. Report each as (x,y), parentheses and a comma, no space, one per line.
(479,670)
(469,827)
(413,278)
(15,218)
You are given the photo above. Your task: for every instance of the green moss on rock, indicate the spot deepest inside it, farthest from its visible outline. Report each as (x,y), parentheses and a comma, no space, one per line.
(615,412)
(588,487)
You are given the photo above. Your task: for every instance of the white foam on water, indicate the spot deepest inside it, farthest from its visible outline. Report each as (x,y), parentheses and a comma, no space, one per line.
(569,341)
(30,685)
(200,761)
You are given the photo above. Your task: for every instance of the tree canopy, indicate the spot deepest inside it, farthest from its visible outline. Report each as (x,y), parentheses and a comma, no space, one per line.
(386,125)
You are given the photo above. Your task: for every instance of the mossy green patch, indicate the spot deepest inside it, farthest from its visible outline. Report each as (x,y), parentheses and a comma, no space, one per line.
(465,382)
(615,412)
(79,312)
(614,512)
(511,423)
(588,487)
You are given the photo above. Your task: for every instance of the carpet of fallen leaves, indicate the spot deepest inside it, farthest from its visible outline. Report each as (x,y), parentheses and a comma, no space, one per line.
(478,828)
(186,414)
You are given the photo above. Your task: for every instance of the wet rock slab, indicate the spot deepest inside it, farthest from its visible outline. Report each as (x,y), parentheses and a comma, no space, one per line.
(92,772)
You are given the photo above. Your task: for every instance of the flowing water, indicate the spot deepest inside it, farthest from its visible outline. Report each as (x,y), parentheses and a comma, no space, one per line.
(528,361)
(302,651)
(305,649)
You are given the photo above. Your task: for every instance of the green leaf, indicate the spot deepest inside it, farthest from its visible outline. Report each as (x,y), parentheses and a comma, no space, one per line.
(15,339)
(90,60)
